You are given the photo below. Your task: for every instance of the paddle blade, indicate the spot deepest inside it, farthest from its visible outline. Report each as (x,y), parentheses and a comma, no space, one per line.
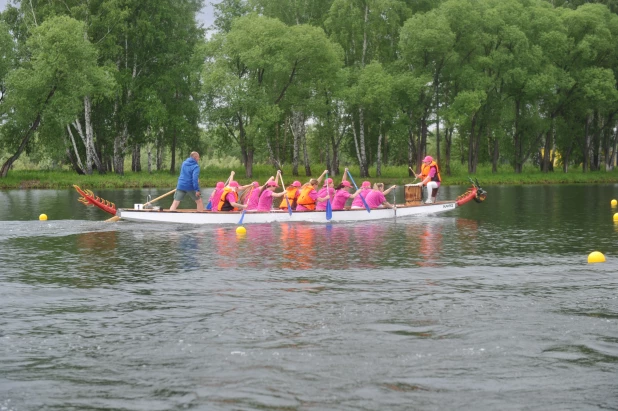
(329,210)
(209,206)
(242,217)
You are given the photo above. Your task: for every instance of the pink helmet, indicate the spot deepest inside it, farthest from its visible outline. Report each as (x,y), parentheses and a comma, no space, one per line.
(366,184)
(272,183)
(428,159)
(220,185)
(233,183)
(346,184)
(296,184)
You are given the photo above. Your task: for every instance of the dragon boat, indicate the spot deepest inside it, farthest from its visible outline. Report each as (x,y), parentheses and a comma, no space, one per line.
(412,207)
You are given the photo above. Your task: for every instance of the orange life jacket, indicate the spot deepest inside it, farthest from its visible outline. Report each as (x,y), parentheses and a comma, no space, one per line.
(304,199)
(290,195)
(426,168)
(224,204)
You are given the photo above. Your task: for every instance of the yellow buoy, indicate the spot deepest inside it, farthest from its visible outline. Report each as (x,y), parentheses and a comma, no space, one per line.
(616,217)
(241,230)
(596,257)
(614,203)
(43,217)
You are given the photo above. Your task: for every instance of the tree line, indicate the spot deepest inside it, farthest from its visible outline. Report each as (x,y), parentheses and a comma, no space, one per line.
(368,82)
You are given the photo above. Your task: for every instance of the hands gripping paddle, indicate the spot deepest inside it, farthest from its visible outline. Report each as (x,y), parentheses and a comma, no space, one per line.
(285,197)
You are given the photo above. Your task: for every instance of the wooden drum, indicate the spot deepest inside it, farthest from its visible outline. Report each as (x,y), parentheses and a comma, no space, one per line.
(413,194)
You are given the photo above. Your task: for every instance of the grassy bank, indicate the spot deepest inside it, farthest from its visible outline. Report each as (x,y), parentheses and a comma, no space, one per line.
(33,179)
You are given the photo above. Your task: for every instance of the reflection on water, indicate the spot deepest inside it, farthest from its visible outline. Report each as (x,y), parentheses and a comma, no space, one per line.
(298,245)
(430,245)
(97,243)
(489,307)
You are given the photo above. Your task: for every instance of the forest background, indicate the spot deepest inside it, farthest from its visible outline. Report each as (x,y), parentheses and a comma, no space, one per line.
(130,87)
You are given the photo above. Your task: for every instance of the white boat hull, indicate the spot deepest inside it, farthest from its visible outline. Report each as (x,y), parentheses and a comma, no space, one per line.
(252,217)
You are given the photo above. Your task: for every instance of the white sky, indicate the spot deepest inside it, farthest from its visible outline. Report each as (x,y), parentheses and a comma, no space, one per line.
(206,16)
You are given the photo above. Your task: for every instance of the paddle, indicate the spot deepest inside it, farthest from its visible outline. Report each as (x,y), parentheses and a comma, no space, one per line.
(242,216)
(361,196)
(160,197)
(329,207)
(285,197)
(395,201)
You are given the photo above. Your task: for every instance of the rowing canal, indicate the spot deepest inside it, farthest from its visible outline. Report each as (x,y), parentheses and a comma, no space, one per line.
(489,307)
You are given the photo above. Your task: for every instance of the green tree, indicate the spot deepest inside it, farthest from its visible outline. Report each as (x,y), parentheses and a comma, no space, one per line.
(374,91)
(151,47)
(250,72)
(582,56)
(155,55)
(52,84)
(427,47)
(368,31)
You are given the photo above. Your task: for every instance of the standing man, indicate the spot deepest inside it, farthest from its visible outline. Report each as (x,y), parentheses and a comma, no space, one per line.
(188,182)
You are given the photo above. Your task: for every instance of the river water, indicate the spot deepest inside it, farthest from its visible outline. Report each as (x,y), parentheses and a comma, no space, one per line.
(489,307)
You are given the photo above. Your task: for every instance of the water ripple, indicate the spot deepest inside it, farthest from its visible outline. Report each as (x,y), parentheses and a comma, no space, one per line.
(488,308)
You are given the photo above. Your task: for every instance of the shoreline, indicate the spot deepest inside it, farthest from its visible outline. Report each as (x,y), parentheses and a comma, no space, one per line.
(24,180)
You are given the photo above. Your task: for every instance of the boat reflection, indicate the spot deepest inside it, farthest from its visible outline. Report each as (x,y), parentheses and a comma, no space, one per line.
(434,239)
(430,245)
(189,248)
(467,230)
(369,241)
(100,242)
(225,242)
(300,246)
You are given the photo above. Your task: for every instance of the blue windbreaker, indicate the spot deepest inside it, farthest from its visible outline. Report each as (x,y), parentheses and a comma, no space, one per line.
(189,173)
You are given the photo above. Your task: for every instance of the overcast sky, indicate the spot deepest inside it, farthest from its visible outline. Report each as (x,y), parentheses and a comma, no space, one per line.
(206,16)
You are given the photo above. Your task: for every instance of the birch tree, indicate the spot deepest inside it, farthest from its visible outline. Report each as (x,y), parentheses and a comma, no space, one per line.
(252,70)
(62,70)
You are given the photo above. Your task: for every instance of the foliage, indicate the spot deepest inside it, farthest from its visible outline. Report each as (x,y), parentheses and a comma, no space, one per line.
(41,179)
(374,83)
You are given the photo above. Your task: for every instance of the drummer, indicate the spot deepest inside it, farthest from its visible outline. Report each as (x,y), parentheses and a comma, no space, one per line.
(430,177)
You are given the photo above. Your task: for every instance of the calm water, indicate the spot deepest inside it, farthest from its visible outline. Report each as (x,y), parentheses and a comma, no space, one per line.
(489,307)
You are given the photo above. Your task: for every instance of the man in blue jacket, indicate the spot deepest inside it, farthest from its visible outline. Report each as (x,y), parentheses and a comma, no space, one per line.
(188,182)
